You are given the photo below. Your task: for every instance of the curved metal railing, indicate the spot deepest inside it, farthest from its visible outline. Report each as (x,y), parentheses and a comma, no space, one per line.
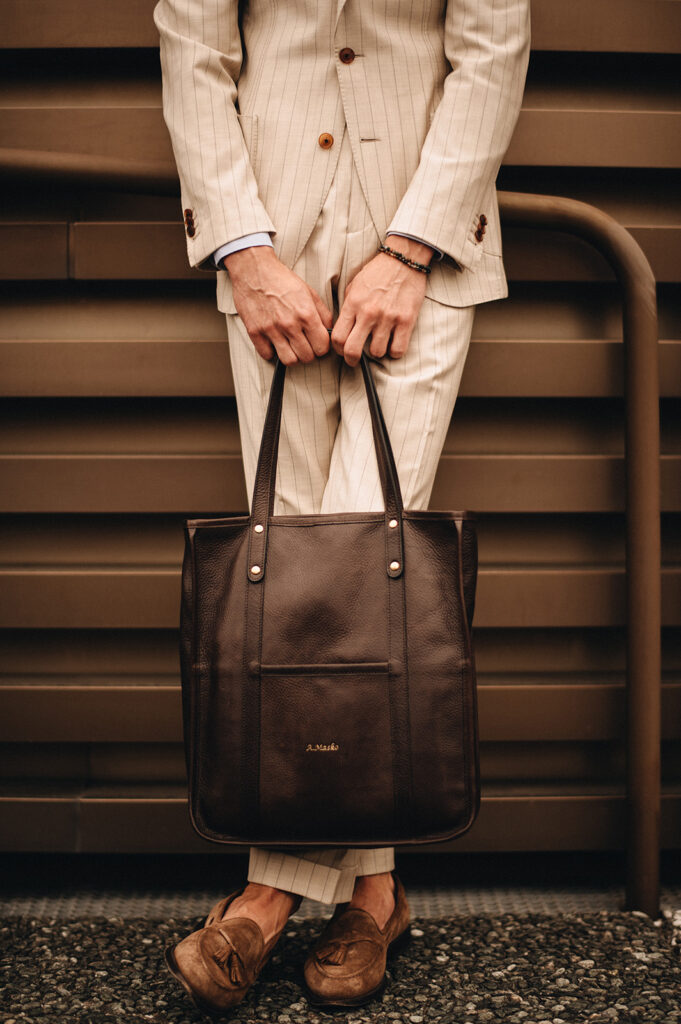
(639,321)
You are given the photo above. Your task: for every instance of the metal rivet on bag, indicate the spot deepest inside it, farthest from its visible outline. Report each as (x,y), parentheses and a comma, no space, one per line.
(258,528)
(394,565)
(392,524)
(255,569)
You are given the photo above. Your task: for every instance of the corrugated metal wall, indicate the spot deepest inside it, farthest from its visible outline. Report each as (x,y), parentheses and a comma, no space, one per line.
(120,420)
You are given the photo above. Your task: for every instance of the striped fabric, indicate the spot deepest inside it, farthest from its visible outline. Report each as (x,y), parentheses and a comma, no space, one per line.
(326,454)
(278,133)
(327,460)
(430,101)
(324,875)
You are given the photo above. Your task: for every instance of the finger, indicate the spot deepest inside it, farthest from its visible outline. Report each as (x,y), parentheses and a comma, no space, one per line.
(325,314)
(316,333)
(337,346)
(262,346)
(355,343)
(341,330)
(284,350)
(400,342)
(380,339)
(300,345)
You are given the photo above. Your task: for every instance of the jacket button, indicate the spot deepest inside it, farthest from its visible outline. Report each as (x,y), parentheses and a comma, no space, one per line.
(483,219)
(188,214)
(191,230)
(326,140)
(479,234)
(346,55)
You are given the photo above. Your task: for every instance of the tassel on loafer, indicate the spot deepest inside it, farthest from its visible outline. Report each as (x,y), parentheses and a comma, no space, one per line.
(217,964)
(347,965)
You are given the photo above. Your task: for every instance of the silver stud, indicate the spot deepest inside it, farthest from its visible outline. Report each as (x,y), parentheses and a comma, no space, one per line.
(394,565)
(256,570)
(392,524)
(258,528)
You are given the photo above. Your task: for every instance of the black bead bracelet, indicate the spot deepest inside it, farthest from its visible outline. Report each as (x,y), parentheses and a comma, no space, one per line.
(405,259)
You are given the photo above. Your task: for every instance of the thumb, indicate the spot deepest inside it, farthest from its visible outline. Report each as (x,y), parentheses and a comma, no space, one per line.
(325,314)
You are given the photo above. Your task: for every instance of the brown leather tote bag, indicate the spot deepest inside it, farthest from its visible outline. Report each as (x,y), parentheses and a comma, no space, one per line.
(328,681)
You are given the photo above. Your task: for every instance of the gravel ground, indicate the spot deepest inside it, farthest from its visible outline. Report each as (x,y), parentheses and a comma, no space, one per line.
(519,969)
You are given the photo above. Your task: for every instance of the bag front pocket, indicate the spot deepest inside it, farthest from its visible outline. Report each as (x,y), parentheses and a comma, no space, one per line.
(325,752)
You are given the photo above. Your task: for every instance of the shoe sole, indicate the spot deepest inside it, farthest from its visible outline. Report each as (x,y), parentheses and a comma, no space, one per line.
(171,964)
(396,946)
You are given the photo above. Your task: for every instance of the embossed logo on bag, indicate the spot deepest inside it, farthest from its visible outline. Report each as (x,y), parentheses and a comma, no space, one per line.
(313,748)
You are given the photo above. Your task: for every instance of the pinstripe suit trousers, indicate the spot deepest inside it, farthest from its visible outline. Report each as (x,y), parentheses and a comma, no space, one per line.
(327,461)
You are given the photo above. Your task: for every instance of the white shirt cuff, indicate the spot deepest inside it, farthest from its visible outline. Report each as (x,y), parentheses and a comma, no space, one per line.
(245,242)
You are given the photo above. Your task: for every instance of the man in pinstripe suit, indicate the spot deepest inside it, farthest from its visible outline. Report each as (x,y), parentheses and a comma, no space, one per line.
(307,134)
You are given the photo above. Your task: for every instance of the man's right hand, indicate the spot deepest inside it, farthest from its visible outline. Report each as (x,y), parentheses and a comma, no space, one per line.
(278,309)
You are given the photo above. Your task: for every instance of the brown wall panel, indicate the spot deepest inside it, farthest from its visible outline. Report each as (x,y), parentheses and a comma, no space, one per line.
(133,311)
(143,714)
(210,485)
(652,26)
(135,657)
(108,822)
(45,24)
(42,823)
(148,250)
(543,136)
(597,138)
(625,26)
(139,251)
(584,368)
(33,251)
(517,598)
(119,420)
(143,543)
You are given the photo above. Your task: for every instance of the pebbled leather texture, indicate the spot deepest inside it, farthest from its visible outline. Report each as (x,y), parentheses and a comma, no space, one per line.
(330,700)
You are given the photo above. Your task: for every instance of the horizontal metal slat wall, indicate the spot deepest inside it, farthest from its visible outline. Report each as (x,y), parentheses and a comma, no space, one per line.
(119,420)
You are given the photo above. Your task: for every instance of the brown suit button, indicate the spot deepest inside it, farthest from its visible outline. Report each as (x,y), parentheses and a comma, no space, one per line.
(346,55)
(326,140)
(478,234)
(188,214)
(483,219)
(191,230)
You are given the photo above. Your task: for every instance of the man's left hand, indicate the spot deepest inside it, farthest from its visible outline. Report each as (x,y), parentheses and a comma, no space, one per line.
(382,300)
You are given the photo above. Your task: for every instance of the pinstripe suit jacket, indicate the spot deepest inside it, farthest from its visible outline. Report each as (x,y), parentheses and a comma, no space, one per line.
(430,102)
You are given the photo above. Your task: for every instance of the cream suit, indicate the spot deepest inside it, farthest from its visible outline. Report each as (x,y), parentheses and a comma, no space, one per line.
(419,114)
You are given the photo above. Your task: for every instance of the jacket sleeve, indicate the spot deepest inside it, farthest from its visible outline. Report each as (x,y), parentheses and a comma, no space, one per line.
(487,44)
(201,58)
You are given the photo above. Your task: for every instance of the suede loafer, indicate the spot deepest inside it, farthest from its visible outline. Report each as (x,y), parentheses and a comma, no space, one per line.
(217,964)
(347,965)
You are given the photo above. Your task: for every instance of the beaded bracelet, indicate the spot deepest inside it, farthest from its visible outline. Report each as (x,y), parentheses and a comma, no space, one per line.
(404,259)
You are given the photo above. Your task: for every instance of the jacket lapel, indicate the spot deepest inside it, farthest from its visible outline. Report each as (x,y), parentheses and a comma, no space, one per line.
(340,4)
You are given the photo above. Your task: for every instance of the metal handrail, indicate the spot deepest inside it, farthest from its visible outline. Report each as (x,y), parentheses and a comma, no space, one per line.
(642,445)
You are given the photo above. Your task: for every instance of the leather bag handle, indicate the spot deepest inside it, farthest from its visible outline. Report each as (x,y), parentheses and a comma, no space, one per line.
(262,504)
